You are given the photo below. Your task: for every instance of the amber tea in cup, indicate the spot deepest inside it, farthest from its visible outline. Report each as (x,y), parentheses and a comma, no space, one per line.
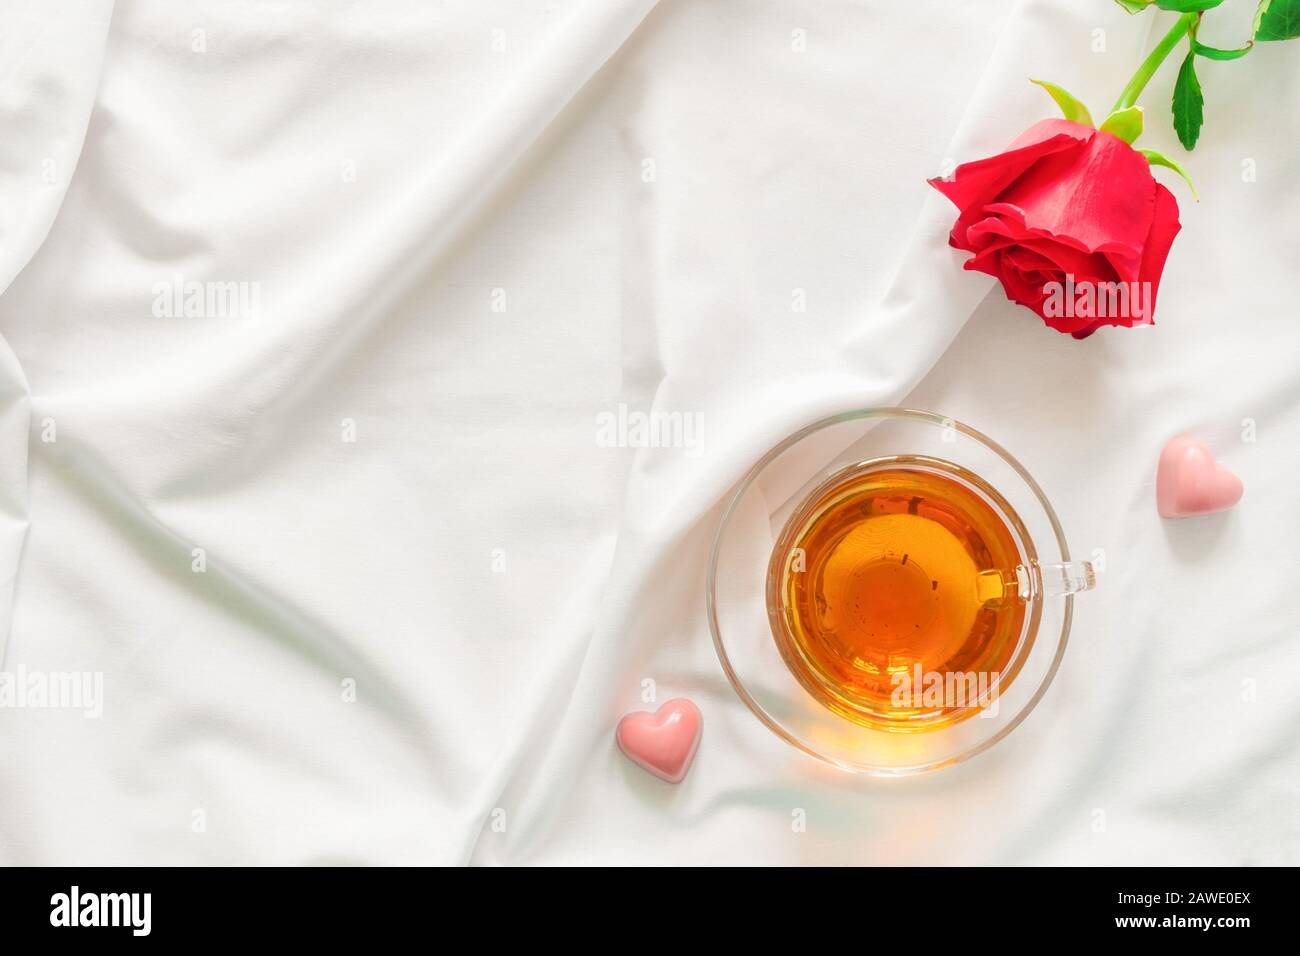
(892,571)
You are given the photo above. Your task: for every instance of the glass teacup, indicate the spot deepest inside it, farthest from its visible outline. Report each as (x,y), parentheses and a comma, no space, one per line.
(813,591)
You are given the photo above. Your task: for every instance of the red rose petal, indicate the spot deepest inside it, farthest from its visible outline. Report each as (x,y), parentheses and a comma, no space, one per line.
(1071,261)
(1125,265)
(1101,196)
(1030,260)
(1163,229)
(975,183)
(1044,130)
(992,229)
(1021,289)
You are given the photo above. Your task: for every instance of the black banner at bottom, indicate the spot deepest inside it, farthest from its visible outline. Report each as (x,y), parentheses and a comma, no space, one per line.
(340,906)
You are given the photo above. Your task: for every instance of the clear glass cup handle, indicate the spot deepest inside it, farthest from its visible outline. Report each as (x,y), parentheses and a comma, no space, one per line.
(1054,580)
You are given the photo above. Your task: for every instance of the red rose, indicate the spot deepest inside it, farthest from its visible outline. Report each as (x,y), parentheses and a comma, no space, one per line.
(1071,222)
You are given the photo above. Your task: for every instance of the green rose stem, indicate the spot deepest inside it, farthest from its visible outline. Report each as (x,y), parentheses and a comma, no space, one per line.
(1152,63)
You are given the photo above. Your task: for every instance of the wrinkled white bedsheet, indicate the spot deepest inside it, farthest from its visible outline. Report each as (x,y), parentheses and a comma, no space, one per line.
(362,583)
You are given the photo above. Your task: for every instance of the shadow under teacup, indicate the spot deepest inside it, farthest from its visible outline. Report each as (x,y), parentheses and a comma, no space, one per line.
(890,591)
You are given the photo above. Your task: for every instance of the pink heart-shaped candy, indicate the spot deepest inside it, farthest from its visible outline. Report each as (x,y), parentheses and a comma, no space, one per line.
(1190,482)
(664,742)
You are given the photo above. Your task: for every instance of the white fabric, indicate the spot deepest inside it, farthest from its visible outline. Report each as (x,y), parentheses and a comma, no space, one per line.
(474,228)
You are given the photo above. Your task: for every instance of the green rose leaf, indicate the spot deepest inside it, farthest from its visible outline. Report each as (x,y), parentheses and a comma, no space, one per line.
(1188,6)
(1071,107)
(1126,124)
(1277,20)
(1188,104)
(1159,159)
(1213,53)
(1181,6)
